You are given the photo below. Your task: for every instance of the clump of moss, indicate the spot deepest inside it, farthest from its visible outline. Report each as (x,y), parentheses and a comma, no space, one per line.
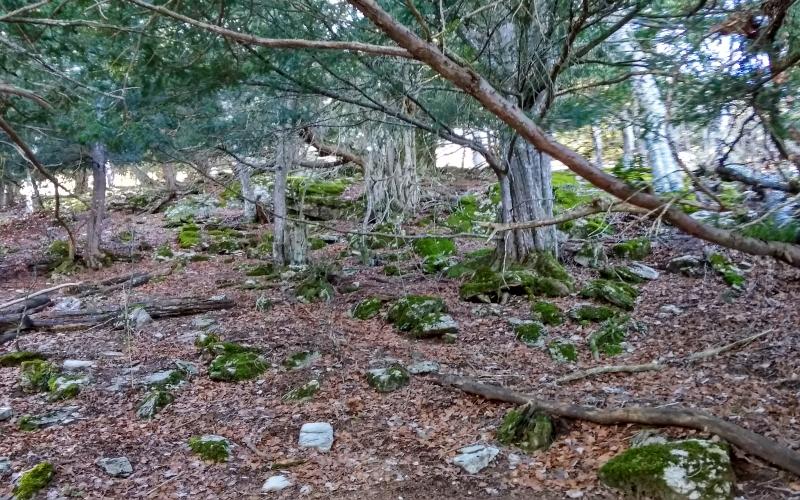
(153,402)
(302,393)
(636,249)
(315,287)
(65,386)
(388,379)
(471,263)
(315,243)
(164,252)
(18,357)
(420,315)
(58,250)
(771,230)
(588,312)
(608,338)
(33,480)
(27,423)
(562,352)
(225,240)
(542,275)
(435,252)
(210,447)
(261,270)
(591,254)
(529,332)
(35,375)
(621,273)
(233,367)
(367,308)
(189,235)
(302,359)
(547,312)
(392,270)
(729,272)
(690,469)
(263,303)
(614,292)
(526,429)
(590,227)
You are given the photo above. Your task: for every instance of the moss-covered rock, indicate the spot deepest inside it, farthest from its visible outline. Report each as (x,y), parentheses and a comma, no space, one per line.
(33,480)
(392,270)
(688,265)
(314,288)
(614,292)
(682,470)
(422,316)
(609,337)
(591,254)
(388,379)
(729,272)
(58,250)
(210,447)
(303,392)
(589,312)
(189,235)
(66,386)
(636,249)
(590,227)
(16,358)
(225,241)
(487,285)
(621,273)
(529,332)
(35,374)
(562,351)
(164,252)
(472,262)
(526,429)
(190,208)
(300,360)
(547,312)
(165,379)
(435,253)
(236,366)
(263,303)
(153,402)
(261,270)
(367,308)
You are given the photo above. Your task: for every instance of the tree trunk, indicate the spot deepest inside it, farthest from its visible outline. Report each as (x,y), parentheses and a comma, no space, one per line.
(81,180)
(628,142)
(529,194)
(391,179)
(3,198)
(170,180)
(94,227)
(243,171)
(597,142)
(34,201)
(286,156)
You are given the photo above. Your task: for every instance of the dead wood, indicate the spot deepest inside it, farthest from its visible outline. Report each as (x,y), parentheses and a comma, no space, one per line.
(36,294)
(748,441)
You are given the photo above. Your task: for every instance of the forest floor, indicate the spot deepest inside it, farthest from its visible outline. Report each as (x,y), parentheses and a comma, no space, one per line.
(397,444)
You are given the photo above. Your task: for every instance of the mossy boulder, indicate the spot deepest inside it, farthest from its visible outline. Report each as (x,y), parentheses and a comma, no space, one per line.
(614,292)
(422,316)
(190,208)
(189,236)
(66,386)
(299,360)
(58,250)
(33,480)
(210,447)
(488,285)
(472,262)
(729,272)
(681,470)
(526,429)
(435,252)
(153,402)
(225,241)
(35,375)
(236,366)
(609,337)
(547,312)
(562,351)
(16,358)
(689,265)
(588,312)
(621,273)
(315,287)
(529,332)
(636,249)
(590,227)
(388,379)
(392,270)
(164,252)
(165,379)
(303,392)
(263,303)
(367,308)
(591,254)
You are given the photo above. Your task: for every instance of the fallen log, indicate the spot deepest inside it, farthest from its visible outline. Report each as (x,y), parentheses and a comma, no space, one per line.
(748,441)
(36,294)
(30,306)
(129,280)
(164,308)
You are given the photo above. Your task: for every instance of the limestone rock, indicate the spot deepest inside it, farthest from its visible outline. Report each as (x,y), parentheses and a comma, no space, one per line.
(614,292)
(138,318)
(62,416)
(237,366)
(210,447)
(688,265)
(303,392)
(68,304)
(276,483)
(153,402)
(423,367)
(591,254)
(637,248)
(5,466)
(115,467)
(77,364)
(367,308)
(526,429)
(164,378)
(66,386)
(422,316)
(300,360)
(190,208)
(6,413)
(643,271)
(388,379)
(317,435)
(476,457)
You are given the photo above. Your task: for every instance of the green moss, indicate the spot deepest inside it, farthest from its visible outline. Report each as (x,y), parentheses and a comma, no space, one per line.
(314,289)
(729,272)
(591,254)
(388,379)
(546,278)
(233,367)
(153,402)
(65,386)
(547,312)
(35,375)
(620,273)
(367,308)
(392,270)
(545,264)
(164,251)
(173,378)
(58,250)
(526,429)
(232,192)
(771,230)
(33,480)
(590,227)
(315,243)
(608,338)
(210,447)
(690,469)
(636,249)
(588,312)
(16,358)
(562,352)
(614,292)
(302,359)
(409,312)
(189,235)
(435,252)
(261,270)
(205,340)
(471,263)
(529,332)
(27,423)
(304,392)
(314,189)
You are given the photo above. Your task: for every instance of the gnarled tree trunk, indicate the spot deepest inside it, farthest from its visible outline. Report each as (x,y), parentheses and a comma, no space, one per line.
(392,184)
(94,227)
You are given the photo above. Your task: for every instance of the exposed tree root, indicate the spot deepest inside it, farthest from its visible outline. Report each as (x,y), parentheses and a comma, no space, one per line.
(657,365)
(749,441)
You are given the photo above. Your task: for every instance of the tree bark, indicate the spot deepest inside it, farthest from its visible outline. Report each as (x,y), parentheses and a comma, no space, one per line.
(391,180)
(286,156)
(94,227)
(628,142)
(243,172)
(81,180)
(170,180)
(34,201)
(597,143)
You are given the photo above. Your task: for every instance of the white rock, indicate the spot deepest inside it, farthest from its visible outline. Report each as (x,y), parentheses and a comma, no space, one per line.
(643,271)
(139,318)
(422,367)
(68,304)
(5,465)
(317,435)
(158,378)
(77,364)
(116,467)
(476,457)
(276,483)
(5,413)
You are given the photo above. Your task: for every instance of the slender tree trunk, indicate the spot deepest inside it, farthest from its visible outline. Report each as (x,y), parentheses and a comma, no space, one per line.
(94,227)
(243,171)
(34,201)
(597,142)
(80,182)
(170,180)
(285,245)
(628,142)
(3,189)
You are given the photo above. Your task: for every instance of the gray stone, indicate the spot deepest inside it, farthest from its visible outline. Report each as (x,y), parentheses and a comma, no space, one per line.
(5,466)
(643,271)
(476,457)
(68,304)
(190,208)
(444,324)
(669,310)
(688,265)
(6,413)
(161,378)
(138,318)
(317,435)
(591,254)
(276,483)
(77,364)
(187,367)
(64,416)
(423,367)
(116,467)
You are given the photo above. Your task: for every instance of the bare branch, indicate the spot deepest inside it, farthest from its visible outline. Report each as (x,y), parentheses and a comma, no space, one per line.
(10,89)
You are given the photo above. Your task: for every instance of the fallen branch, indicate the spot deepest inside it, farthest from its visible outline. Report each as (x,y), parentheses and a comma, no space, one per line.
(749,441)
(658,365)
(35,294)
(111,284)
